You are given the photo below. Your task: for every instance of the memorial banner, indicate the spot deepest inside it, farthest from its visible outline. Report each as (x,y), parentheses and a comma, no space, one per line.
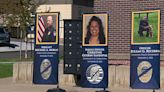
(46,55)
(95,51)
(145,50)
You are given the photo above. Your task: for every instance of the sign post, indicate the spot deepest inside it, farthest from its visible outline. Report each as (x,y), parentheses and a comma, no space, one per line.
(145,50)
(95,51)
(46,55)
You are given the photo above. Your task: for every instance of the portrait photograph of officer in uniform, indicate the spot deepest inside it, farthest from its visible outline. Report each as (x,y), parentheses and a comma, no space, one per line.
(47,28)
(145,27)
(95,29)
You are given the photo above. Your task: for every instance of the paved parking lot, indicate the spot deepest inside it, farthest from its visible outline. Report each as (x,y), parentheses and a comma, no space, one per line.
(17,46)
(9,52)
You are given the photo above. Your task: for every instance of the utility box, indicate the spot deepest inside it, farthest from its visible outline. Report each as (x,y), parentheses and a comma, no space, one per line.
(72,46)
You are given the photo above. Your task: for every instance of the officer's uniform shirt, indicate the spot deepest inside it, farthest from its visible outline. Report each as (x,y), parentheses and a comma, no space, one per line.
(49,35)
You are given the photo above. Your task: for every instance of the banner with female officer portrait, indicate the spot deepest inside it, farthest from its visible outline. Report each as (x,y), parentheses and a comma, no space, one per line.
(46,55)
(95,51)
(145,50)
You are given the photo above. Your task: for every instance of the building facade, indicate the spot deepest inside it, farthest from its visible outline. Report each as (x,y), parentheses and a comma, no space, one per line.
(120,13)
(69,9)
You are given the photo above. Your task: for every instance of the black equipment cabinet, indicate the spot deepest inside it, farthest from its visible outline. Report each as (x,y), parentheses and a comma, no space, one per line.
(72,46)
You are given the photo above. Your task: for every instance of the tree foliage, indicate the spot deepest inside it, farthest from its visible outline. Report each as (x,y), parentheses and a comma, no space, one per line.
(17,13)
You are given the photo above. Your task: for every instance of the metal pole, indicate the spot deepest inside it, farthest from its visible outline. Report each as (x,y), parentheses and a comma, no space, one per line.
(21,45)
(31,45)
(26,47)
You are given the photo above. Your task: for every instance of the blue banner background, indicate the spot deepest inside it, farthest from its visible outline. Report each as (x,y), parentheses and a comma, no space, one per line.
(54,59)
(153,58)
(52,56)
(103,62)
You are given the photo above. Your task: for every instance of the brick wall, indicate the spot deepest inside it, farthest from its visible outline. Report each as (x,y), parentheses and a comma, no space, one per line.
(120,13)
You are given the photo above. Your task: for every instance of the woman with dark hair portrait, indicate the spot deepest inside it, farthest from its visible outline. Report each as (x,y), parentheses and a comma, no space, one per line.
(95,32)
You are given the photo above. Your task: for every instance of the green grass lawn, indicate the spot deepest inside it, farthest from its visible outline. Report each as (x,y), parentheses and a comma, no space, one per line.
(6,70)
(153,20)
(9,60)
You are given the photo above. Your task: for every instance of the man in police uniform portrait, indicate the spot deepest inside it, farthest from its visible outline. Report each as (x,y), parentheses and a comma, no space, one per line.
(50,31)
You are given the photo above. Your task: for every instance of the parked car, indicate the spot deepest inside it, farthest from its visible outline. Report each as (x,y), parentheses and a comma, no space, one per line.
(4,36)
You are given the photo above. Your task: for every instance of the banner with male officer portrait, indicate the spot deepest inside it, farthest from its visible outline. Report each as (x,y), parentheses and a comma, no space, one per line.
(46,55)
(145,50)
(95,51)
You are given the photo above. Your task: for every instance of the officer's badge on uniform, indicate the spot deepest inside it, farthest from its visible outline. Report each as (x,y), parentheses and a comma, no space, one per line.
(49,33)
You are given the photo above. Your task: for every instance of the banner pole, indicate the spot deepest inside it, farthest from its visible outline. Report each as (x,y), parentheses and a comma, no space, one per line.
(104,90)
(153,90)
(57,89)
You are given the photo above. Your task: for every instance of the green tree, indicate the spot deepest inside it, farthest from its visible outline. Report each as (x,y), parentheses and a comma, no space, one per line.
(17,13)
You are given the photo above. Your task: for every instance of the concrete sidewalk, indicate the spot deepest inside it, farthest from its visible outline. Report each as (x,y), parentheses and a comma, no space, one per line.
(6,85)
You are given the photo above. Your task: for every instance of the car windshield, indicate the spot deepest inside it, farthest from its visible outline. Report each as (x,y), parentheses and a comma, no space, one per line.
(1,31)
